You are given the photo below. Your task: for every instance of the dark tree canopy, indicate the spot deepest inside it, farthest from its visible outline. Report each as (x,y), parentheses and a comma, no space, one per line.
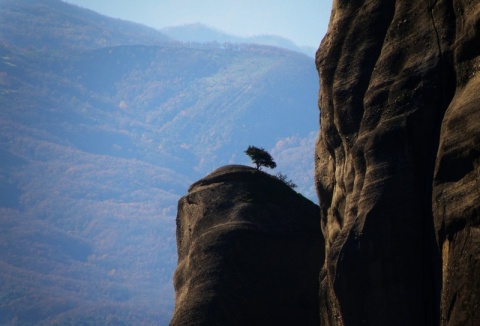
(260,157)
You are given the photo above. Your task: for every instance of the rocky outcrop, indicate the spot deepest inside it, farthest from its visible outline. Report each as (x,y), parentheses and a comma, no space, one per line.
(249,252)
(397,163)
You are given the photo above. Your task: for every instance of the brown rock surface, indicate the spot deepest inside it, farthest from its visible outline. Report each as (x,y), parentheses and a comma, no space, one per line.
(397,163)
(249,252)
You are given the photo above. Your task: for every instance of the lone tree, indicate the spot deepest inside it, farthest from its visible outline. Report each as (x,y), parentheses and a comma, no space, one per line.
(260,157)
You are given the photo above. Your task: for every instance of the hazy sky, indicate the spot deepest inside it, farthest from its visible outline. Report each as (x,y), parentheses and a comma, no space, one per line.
(302,21)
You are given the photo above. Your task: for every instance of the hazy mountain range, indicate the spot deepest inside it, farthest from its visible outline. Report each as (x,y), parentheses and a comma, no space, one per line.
(104,125)
(202,33)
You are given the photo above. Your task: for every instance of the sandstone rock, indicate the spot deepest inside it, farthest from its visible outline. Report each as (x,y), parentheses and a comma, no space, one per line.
(249,252)
(397,163)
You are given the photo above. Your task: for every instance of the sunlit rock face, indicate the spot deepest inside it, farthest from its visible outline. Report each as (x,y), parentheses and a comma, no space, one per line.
(249,252)
(397,163)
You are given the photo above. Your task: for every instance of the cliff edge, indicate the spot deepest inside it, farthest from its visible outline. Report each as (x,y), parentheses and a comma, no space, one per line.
(249,252)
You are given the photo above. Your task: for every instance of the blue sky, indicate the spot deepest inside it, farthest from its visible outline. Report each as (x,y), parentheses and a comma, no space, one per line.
(302,21)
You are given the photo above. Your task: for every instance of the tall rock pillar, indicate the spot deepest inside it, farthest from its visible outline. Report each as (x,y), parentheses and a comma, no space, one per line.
(397,163)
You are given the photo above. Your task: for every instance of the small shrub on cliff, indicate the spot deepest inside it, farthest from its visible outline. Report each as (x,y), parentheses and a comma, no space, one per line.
(260,157)
(285,180)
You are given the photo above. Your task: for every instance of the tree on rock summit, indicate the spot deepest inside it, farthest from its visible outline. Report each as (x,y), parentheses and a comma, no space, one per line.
(260,157)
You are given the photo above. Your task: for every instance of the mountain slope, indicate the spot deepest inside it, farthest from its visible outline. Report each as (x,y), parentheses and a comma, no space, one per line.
(99,143)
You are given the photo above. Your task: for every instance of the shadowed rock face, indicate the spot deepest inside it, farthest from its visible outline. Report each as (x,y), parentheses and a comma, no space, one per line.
(249,252)
(397,163)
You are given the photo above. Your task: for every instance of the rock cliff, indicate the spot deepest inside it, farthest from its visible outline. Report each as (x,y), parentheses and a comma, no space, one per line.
(398,163)
(249,252)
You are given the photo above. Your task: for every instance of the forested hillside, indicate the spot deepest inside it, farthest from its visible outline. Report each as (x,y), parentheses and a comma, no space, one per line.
(103,126)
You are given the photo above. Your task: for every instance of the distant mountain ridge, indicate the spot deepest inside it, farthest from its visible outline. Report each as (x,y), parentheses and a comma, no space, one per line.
(103,126)
(54,24)
(198,32)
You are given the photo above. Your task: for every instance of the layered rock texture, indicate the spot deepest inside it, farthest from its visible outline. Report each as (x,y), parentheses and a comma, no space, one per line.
(397,163)
(249,252)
